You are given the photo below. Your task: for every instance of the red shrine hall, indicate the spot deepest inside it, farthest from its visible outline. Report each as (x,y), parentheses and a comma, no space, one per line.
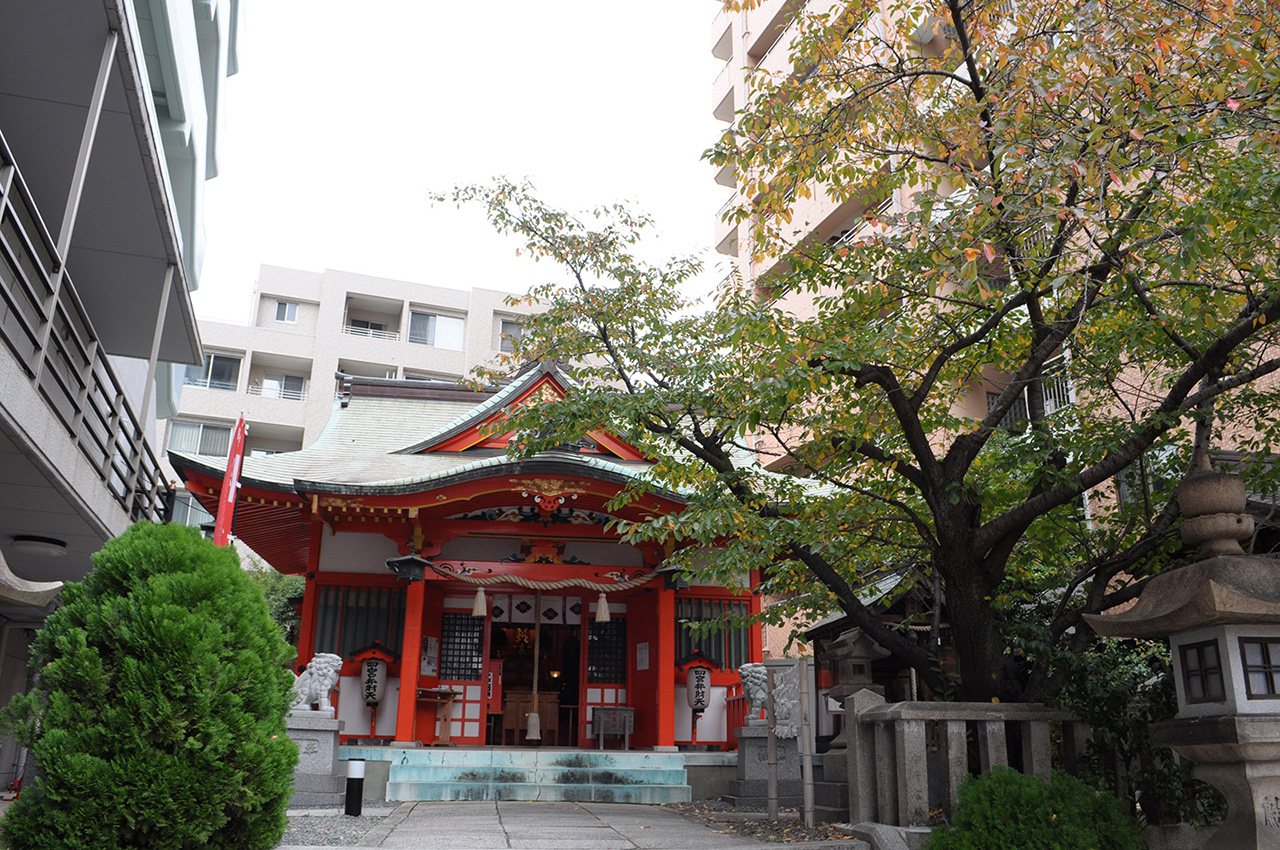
(494,589)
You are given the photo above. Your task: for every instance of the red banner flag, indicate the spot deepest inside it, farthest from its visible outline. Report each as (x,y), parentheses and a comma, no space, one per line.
(230,483)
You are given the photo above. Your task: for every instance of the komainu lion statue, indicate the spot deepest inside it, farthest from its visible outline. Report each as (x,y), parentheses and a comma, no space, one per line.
(755,685)
(786,697)
(317,680)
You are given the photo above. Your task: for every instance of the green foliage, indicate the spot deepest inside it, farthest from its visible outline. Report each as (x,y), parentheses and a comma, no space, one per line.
(1076,228)
(1006,809)
(279,591)
(1119,689)
(157,716)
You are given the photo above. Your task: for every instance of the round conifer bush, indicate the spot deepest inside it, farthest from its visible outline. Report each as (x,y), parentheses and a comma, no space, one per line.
(1005,809)
(157,715)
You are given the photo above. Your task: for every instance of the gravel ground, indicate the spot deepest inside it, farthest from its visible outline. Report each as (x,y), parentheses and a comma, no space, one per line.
(752,823)
(325,829)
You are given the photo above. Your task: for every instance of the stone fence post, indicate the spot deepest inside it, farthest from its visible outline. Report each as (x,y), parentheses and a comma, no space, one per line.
(889,763)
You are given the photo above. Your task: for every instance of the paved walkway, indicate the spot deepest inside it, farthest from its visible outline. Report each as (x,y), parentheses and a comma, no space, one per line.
(562,826)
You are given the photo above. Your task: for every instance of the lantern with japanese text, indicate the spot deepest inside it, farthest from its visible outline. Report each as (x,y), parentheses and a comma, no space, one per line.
(697,669)
(373,672)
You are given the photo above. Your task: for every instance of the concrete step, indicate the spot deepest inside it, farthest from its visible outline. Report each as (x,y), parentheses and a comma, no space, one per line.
(526,759)
(537,775)
(554,775)
(578,793)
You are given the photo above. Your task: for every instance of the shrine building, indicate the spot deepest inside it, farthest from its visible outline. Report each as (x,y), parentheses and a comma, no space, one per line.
(489,585)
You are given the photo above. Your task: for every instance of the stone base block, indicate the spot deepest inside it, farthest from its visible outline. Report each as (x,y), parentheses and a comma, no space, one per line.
(831,802)
(317,780)
(312,790)
(316,735)
(753,756)
(755,792)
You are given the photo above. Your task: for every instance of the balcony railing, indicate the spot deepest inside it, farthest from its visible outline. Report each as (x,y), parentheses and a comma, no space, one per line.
(67,364)
(278,392)
(370,332)
(210,384)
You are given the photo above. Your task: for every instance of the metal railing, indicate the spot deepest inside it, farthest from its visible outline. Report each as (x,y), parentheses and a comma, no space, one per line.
(67,365)
(393,336)
(210,384)
(277,392)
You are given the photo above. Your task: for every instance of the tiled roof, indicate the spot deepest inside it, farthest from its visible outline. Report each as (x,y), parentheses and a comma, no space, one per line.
(361,449)
(493,404)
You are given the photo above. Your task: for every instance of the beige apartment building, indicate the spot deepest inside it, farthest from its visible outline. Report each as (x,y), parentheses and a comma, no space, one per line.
(760,40)
(281,370)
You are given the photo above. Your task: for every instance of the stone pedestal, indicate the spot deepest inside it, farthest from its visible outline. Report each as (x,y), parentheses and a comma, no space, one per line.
(317,780)
(1240,756)
(752,784)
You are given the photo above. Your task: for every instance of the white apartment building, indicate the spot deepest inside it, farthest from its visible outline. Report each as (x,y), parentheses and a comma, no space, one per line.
(109,118)
(280,371)
(761,38)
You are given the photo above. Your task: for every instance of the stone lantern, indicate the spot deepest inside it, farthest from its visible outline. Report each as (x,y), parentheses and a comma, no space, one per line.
(1222,618)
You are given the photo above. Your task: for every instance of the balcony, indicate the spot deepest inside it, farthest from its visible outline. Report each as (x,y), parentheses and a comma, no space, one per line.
(54,346)
(765,23)
(930,26)
(210,384)
(371,332)
(288,393)
(372,317)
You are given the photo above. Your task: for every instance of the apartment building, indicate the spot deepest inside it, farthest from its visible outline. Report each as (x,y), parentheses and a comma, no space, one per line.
(109,115)
(761,40)
(282,370)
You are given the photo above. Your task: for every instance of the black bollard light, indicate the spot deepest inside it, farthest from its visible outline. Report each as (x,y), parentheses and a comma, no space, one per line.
(355,787)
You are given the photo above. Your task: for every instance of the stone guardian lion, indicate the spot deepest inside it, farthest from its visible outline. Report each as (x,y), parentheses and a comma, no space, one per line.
(315,683)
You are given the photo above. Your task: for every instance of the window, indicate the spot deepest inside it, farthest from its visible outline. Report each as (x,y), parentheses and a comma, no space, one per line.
(439,331)
(607,653)
(727,643)
(1017,412)
(199,438)
(511,332)
(1261,667)
(1055,384)
(366,325)
(1202,673)
(349,619)
(188,511)
(461,647)
(1152,478)
(286,311)
(219,372)
(279,385)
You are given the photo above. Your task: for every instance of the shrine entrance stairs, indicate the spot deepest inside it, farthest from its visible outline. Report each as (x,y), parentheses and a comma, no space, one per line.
(575,775)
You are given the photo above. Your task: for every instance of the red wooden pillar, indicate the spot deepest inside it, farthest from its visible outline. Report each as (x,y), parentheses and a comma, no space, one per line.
(666,669)
(410,653)
(310,599)
(755,633)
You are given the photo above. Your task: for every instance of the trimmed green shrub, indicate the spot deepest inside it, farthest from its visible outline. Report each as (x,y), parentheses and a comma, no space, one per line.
(1005,809)
(157,715)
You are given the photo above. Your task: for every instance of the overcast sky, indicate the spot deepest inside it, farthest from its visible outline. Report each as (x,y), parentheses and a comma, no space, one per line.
(344,117)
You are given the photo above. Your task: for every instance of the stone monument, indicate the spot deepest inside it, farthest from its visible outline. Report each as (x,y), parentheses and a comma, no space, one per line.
(316,780)
(1222,617)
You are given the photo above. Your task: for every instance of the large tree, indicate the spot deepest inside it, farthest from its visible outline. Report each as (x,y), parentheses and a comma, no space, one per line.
(1082,208)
